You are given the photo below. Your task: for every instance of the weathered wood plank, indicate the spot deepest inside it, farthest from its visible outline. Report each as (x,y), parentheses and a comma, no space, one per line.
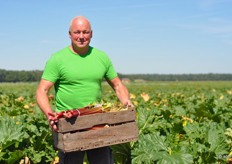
(88,121)
(85,140)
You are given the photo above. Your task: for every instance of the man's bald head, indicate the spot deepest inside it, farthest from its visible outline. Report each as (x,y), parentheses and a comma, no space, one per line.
(80,20)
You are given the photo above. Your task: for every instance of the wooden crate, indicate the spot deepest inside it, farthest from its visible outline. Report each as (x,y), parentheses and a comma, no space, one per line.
(73,133)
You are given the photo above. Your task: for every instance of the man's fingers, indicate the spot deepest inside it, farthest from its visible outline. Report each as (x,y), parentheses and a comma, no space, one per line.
(128,104)
(55,128)
(53,125)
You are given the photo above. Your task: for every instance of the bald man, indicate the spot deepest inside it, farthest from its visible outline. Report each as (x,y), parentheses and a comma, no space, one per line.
(76,72)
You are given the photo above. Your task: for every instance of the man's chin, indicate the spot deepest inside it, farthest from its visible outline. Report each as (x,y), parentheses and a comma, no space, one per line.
(82,45)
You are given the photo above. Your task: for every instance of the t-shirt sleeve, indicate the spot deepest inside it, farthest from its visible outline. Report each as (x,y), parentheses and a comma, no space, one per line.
(110,73)
(51,71)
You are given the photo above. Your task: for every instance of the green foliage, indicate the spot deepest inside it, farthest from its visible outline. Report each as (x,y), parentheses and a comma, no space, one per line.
(122,153)
(179,123)
(183,124)
(24,130)
(10,137)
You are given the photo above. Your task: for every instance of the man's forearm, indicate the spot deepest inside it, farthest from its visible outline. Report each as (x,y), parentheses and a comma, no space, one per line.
(43,102)
(123,95)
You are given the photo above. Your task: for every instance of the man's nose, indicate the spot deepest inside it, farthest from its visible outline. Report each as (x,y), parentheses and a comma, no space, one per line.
(81,35)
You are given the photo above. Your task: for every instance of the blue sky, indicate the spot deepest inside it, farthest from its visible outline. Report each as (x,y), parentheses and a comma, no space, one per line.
(140,36)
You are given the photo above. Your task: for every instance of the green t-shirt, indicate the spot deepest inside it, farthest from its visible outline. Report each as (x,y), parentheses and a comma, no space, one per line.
(77,79)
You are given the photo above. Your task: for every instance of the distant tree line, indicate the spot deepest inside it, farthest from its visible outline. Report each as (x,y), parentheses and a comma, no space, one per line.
(178,77)
(19,76)
(35,75)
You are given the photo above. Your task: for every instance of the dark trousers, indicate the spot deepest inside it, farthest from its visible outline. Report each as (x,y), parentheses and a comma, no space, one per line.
(95,156)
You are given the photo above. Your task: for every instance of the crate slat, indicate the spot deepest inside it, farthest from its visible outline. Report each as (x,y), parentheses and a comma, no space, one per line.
(97,138)
(88,121)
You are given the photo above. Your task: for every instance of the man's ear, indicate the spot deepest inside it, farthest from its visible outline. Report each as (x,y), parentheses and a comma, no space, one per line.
(91,34)
(69,33)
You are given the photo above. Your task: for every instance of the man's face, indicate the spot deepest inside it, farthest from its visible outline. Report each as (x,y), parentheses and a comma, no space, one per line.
(80,34)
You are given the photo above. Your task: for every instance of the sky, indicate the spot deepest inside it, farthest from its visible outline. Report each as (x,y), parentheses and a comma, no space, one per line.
(140,36)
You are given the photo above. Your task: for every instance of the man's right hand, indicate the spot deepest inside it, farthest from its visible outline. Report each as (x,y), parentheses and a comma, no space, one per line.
(52,121)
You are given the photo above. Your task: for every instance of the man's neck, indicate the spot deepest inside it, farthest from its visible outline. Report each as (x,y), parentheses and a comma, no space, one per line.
(79,51)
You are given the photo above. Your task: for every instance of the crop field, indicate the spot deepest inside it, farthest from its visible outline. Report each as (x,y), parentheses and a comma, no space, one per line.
(179,123)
